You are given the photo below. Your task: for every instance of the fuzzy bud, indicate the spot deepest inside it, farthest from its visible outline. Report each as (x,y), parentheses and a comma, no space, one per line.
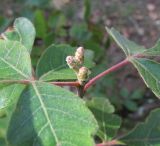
(83,74)
(79,55)
(71,63)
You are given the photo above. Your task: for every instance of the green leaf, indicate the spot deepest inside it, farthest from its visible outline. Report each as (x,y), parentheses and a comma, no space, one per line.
(108,125)
(137,94)
(51,116)
(154,51)
(3,127)
(40,24)
(100,103)
(9,94)
(108,122)
(145,134)
(57,20)
(149,71)
(129,47)
(80,32)
(54,58)
(130,105)
(62,74)
(12,35)
(15,63)
(23,31)
(26,31)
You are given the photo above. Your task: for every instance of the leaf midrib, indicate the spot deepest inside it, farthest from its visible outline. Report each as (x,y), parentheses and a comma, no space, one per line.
(45,112)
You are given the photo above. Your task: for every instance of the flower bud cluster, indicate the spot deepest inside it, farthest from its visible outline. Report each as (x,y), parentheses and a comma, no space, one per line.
(76,63)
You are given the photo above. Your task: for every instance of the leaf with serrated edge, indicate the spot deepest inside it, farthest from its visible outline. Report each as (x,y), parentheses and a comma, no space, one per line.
(26,32)
(51,116)
(154,51)
(145,134)
(149,71)
(15,63)
(129,47)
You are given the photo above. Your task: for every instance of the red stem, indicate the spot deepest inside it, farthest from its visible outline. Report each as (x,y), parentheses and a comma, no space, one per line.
(76,83)
(113,68)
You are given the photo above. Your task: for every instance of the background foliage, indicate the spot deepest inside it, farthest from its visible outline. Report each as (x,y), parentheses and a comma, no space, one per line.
(83,23)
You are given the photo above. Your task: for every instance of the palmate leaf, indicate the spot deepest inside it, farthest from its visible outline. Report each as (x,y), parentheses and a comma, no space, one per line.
(149,71)
(54,59)
(48,115)
(15,63)
(145,134)
(129,47)
(23,31)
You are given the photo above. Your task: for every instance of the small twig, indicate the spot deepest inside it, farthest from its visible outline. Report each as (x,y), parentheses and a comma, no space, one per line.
(112,69)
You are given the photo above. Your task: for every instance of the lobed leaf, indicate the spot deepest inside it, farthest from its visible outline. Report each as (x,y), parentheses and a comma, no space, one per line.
(145,134)
(128,47)
(51,116)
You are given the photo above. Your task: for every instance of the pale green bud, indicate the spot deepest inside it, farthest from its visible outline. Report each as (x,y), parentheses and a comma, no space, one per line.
(83,75)
(72,63)
(79,55)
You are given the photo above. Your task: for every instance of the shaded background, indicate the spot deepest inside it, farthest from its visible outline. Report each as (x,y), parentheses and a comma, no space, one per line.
(82,22)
